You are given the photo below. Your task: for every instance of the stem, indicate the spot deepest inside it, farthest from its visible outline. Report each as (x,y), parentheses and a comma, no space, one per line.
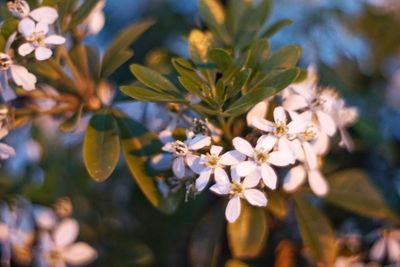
(225,128)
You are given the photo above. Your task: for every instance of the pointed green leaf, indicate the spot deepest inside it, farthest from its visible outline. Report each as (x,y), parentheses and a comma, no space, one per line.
(138,145)
(82,12)
(118,60)
(352,190)
(278,79)
(153,79)
(149,95)
(213,14)
(221,58)
(249,100)
(277,26)
(277,204)
(101,146)
(286,57)
(316,231)
(248,234)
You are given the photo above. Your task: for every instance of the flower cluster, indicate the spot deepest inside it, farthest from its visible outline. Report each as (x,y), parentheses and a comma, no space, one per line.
(297,137)
(41,235)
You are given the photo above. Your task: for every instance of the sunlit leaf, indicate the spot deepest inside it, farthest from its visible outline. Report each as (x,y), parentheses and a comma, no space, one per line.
(236,263)
(286,57)
(316,231)
(145,94)
(248,234)
(277,205)
(221,58)
(352,190)
(213,14)
(101,146)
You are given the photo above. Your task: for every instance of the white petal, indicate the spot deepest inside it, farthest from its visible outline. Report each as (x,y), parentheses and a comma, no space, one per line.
(22,77)
(269,176)
(252,180)
(327,123)
(243,146)
(317,183)
(393,247)
(194,163)
(42,28)
(266,142)
(178,167)
(44,14)
(295,102)
(43,53)
(216,150)
(281,158)
(25,49)
(199,141)
(321,145)
(54,40)
(45,217)
(346,140)
(231,158)
(202,180)
(221,189)
(244,168)
(263,124)
(310,155)
(377,252)
(220,176)
(294,178)
(79,253)
(66,232)
(26,27)
(232,211)
(255,197)
(279,115)
(297,126)
(234,174)
(259,110)
(96,23)
(286,146)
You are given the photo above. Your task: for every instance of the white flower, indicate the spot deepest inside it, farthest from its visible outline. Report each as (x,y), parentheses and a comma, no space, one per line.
(344,117)
(21,10)
(37,40)
(306,95)
(94,23)
(237,190)
(280,128)
(60,248)
(297,175)
(213,163)
(183,152)
(21,76)
(388,245)
(259,110)
(259,159)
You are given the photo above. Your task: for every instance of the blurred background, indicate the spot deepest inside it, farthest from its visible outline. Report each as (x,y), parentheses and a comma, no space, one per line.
(356,47)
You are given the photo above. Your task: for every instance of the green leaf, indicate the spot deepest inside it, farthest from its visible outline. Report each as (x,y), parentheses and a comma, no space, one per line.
(257,52)
(316,231)
(119,59)
(124,40)
(239,83)
(82,12)
(248,234)
(352,190)
(2,43)
(145,94)
(249,100)
(72,123)
(8,27)
(277,204)
(101,146)
(153,79)
(277,26)
(235,11)
(279,80)
(199,46)
(213,15)
(221,58)
(138,144)
(186,70)
(286,57)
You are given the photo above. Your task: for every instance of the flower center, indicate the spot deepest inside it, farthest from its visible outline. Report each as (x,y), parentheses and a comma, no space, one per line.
(54,257)
(309,134)
(37,38)
(5,61)
(280,129)
(236,189)
(180,148)
(261,157)
(212,161)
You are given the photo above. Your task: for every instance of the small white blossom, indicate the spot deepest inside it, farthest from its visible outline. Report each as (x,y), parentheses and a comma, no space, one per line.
(237,190)
(21,76)
(37,39)
(387,245)
(259,159)
(59,248)
(21,10)
(214,163)
(183,153)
